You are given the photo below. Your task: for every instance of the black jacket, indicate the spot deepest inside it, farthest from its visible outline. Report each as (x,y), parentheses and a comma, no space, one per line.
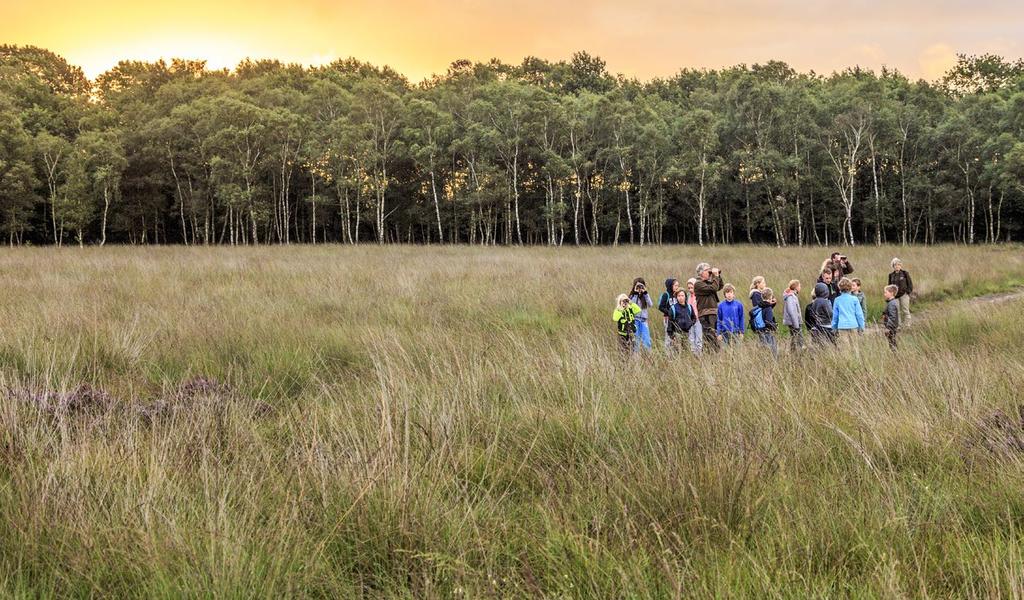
(809,315)
(821,309)
(666,301)
(901,279)
(833,288)
(682,318)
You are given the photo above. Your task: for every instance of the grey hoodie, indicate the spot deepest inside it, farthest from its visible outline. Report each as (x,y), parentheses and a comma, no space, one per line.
(791,309)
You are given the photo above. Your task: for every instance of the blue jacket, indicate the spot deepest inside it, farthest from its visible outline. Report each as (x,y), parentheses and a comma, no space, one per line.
(730,317)
(847,313)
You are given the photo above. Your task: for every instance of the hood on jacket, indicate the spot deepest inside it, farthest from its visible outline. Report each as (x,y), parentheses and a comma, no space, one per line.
(820,290)
(668,284)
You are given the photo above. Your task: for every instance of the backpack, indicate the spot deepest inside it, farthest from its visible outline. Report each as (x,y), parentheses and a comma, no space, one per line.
(757,319)
(684,321)
(664,305)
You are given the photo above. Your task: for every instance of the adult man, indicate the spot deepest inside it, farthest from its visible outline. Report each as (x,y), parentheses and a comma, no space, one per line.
(827,277)
(840,266)
(706,290)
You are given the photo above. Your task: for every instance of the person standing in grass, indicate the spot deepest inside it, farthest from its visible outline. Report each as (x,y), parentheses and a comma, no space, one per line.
(847,315)
(730,317)
(830,282)
(624,316)
(696,333)
(891,316)
(859,295)
(904,288)
(757,287)
(668,298)
(839,264)
(820,320)
(791,315)
(681,323)
(706,290)
(762,319)
(642,298)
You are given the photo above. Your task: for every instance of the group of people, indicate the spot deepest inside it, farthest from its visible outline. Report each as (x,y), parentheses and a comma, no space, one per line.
(695,317)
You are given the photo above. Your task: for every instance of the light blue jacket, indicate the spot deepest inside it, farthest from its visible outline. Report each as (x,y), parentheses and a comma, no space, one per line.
(847,313)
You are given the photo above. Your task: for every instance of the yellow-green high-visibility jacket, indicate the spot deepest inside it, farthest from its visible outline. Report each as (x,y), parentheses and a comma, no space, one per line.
(626,318)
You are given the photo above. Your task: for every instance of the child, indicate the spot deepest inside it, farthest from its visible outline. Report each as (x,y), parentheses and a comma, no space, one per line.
(624,316)
(668,298)
(730,316)
(859,295)
(762,319)
(905,287)
(820,317)
(847,316)
(891,316)
(791,315)
(642,298)
(756,285)
(696,333)
(682,317)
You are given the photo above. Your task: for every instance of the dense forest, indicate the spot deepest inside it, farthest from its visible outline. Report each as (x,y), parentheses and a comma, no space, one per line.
(490,153)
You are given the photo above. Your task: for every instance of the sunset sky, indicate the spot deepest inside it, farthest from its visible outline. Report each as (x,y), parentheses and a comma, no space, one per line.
(643,39)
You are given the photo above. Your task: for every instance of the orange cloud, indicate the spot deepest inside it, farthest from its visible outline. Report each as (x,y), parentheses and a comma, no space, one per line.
(643,39)
(935,60)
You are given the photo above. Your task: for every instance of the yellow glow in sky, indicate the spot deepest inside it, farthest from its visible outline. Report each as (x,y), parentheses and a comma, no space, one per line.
(642,39)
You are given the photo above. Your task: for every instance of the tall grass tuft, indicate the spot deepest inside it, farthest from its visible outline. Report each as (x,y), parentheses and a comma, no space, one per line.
(456,422)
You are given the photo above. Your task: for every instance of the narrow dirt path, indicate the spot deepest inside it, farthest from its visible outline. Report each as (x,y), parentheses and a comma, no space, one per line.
(976,302)
(1017,294)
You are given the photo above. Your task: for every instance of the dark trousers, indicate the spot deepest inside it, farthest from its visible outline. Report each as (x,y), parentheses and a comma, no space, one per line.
(890,334)
(710,324)
(626,343)
(823,337)
(796,339)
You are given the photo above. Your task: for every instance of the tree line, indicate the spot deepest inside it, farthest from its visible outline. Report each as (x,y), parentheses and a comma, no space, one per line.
(490,153)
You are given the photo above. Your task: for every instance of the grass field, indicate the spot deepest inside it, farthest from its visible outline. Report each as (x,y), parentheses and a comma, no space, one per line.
(439,422)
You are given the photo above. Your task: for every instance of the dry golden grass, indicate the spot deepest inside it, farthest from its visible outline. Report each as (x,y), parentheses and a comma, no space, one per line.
(457,421)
